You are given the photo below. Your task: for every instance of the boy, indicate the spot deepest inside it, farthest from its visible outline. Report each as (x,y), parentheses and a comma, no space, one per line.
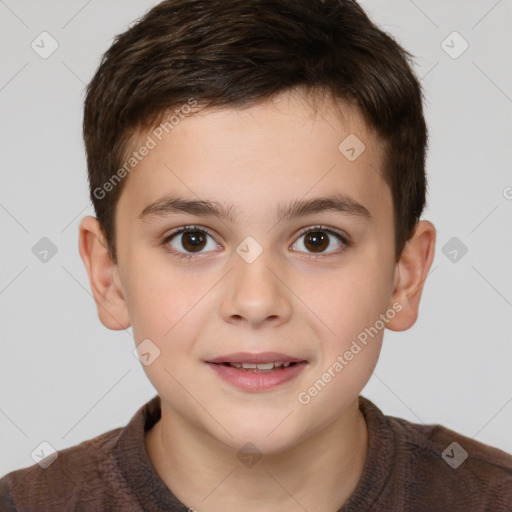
(257,171)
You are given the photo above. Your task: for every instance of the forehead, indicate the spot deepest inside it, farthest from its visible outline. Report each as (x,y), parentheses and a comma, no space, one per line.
(255,159)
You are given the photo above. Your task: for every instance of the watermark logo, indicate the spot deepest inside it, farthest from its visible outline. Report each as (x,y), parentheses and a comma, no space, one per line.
(249,455)
(44,45)
(454,45)
(146,352)
(249,249)
(454,455)
(44,250)
(351,147)
(44,454)
(454,249)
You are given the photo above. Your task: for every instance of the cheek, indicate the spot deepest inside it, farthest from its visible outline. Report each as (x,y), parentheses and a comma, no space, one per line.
(166,308)
(351,306)
(349,300)
(334,387)
(162,299)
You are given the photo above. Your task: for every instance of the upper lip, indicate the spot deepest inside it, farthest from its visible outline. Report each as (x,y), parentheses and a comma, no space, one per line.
(261,357)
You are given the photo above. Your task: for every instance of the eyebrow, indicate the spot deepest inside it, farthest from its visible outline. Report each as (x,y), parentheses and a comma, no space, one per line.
(338,203)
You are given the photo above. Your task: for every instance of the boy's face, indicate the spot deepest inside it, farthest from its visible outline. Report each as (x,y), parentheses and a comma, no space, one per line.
(253,284)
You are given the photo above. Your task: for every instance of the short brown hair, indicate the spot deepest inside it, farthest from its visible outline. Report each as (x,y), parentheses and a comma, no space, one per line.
(233,53)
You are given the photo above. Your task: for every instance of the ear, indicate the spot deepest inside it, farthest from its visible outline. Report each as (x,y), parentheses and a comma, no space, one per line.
(103,275)
(410,274)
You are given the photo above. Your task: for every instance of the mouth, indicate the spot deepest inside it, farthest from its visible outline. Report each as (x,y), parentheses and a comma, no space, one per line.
(260,367)
(257,372)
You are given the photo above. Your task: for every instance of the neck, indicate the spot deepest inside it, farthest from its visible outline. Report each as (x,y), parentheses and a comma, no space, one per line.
(207,475)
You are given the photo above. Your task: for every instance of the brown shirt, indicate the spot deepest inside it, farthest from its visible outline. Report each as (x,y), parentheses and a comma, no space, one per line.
(410,467)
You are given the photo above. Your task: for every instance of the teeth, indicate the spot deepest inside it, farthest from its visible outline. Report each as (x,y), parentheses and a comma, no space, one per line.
(265,366)
(261,366)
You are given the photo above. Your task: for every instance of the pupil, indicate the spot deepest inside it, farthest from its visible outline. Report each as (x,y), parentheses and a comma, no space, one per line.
(317,239)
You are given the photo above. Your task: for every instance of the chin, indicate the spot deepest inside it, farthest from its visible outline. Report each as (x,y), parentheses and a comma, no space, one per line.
(265,437)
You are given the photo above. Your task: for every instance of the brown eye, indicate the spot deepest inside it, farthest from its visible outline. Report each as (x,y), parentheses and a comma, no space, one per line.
(193,240)
(320,241)
(188,241)
(316,241)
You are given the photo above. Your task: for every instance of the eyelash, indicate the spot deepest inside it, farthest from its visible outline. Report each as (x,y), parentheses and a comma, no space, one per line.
(165,242)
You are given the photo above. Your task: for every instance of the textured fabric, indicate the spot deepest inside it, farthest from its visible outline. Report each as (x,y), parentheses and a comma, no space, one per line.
(404,471)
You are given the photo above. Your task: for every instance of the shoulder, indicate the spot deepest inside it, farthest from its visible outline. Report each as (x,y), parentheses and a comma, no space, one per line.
(415,467)
(451,466)
(75,473)
(93,475)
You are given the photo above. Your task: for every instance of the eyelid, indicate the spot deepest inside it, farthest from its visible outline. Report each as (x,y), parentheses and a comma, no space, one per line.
(321,227)
(188,227)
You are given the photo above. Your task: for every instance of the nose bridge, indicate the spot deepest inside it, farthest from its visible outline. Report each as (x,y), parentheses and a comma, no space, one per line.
(255,291)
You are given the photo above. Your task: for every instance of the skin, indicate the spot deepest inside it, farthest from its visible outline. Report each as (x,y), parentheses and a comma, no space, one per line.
(290,299)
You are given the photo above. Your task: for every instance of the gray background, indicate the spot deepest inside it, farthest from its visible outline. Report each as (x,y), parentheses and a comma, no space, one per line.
(66,378)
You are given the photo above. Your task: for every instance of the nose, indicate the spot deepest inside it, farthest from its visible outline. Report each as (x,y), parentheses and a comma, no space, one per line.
(256,293)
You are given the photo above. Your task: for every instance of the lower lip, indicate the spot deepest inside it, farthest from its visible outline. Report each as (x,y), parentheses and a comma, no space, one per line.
(248,380)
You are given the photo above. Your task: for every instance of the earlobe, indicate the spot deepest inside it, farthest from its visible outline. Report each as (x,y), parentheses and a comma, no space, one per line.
(101,269)
(412,270)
